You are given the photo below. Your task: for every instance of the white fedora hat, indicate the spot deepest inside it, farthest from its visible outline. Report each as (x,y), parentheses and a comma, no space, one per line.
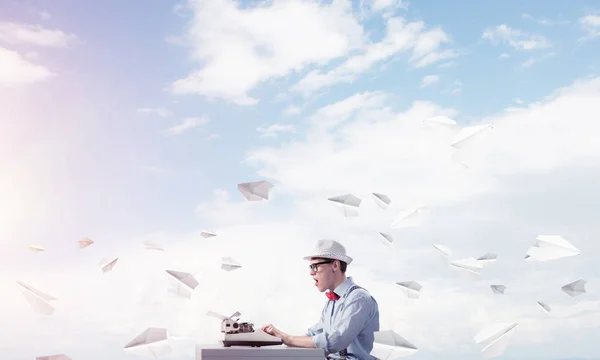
(329,249)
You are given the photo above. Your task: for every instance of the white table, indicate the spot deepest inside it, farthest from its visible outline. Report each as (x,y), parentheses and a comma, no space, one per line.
(218,352)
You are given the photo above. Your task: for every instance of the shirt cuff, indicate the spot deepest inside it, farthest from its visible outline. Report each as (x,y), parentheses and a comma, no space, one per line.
(320,340)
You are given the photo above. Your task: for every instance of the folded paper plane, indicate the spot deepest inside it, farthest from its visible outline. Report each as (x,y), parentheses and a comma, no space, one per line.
(381,200)
(544,307)
(442,250)
(498,289)
(183,284)
(388,345)
(152,245)
(38,300)
(347,204)
(468,266)
(153,342)
(440,121)
(85,242)
(469,134)
(36,248)
(207,233)
(551,247)
(575,288)
(256,190)
(386,238)
(411,217)
(54,357)
(495,338)
(469,263)
(412,289)
(229,264)
(487,259)
(107,265)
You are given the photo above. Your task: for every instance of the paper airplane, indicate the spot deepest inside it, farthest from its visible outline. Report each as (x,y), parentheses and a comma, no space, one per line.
(85,242)
(495,338)
(54,357)
(207,234)
(36,248)
(575,288)
(38,300)
(183,284)
(457,158)
(152,342)
(107,264)
(381,200)
(412,289)
(410,217)
(487,259)
(347,204)
(388,345)
(442,250)
(469,266)
(256,190)
(551,247)
(469,134)
(229,264)
(498,289)
(544,307)
(386,238)
(440,120)
(152,245)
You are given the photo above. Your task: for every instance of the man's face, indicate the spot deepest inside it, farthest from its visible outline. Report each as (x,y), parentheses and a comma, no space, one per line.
(321,271)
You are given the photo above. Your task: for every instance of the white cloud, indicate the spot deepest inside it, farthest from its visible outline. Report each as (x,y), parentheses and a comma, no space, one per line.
(385,8)
(590,24)
(456,89)
(273,40)
(162,112)
(447,65)
(242,48)
(518,39)
(292,110)
(544,21)
(15,70)
(272,130)
(188,124)
(429,80)
(504,56)
(381,5)
(44,15)
(401,36)
(534,60)
(15,33)
(535,172)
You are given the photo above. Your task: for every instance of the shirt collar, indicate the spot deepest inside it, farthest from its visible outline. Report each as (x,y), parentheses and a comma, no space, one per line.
(340,290)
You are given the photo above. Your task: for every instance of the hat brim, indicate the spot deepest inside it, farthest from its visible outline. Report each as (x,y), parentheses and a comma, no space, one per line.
(346,259)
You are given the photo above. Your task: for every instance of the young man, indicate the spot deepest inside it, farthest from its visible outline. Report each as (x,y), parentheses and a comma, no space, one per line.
(349,318)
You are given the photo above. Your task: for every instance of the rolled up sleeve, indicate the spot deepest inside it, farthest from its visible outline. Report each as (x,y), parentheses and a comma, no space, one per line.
(318,327)
(315,329)
(352,319)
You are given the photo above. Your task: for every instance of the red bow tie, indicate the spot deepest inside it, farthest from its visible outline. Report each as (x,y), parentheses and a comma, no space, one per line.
(331,295)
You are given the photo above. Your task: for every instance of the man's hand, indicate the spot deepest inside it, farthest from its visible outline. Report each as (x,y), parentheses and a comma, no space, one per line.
(289,340)
(272,330)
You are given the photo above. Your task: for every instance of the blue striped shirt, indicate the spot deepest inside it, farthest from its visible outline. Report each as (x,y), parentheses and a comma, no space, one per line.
(347,323)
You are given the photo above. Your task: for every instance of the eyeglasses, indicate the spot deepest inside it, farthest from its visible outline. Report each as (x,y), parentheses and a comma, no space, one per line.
(315,266)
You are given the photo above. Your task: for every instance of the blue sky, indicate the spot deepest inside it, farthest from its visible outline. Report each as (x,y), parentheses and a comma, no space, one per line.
(81,160)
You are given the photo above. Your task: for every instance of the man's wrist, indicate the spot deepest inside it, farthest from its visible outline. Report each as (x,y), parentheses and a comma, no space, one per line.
(287,339)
